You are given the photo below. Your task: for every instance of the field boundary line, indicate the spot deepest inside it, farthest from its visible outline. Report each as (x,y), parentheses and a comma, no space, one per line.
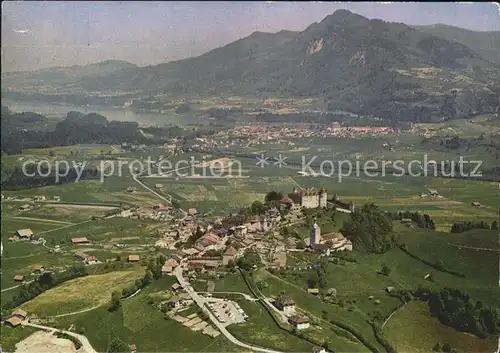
(67,226)
(19,285)
(76,312)
(39,220)
(473,248)
(394,312)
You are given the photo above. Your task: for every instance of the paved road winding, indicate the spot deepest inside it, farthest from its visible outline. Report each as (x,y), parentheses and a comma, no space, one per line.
(200,301)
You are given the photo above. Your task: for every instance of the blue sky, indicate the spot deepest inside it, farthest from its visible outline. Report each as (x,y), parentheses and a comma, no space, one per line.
(44,34)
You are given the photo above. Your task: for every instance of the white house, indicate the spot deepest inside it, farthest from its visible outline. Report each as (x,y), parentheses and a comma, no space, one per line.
(299,322)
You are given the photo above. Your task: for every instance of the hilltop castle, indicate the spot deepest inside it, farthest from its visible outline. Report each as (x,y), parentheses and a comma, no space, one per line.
(309,198)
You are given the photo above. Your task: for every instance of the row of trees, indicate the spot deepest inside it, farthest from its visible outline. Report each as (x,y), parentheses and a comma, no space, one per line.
(319,276)
(456,309)
(249,260)
(44,282)
(460,227)
(423,221)
(15,178)
(77,128)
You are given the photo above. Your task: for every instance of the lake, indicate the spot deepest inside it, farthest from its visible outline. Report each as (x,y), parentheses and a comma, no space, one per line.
(53,110)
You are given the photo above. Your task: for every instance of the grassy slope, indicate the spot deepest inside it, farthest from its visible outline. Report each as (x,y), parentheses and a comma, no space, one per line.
(137,322)
(81,293)
(413,330)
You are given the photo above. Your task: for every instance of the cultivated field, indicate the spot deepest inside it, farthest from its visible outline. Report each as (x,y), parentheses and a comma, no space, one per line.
(81,293)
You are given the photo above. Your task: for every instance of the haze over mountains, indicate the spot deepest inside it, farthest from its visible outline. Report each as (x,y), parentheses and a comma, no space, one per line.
(364,66)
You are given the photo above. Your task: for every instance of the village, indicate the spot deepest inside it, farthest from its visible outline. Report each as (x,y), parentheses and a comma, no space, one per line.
(196,246)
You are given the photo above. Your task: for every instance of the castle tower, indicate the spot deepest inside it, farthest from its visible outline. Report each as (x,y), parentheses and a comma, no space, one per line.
(323,197)
(315,234)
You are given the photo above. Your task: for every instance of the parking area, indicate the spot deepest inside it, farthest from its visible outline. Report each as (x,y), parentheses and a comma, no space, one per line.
(227,312)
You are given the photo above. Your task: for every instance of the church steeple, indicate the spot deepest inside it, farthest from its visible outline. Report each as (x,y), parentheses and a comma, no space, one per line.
(315,233)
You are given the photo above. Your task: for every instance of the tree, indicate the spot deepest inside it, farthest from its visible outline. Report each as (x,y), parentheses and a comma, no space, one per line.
(301,244)
(333,218)
(46,280)
(273,196)
(231,265)
(494,225)
(446,348)
(377,315)
(148,278)
(249,259)
(115,300)
(437,347)
(386,271)
(322,283)
(370,229)
(175,203)
(313,280)
(325,344)
(202,315)
(118,346)
(440,264)
(258,208)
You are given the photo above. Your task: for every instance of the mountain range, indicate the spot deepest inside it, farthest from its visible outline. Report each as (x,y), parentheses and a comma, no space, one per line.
(369,67)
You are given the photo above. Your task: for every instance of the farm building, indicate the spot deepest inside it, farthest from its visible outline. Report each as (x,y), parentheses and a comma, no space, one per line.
(314,291)
(475,203)
(240,231)
(13,321)
(24,234)
(190,251)
(299,322)
(176,287)
(132,348)
(18,278)
(82,240)
(229,255)
(433,193)
(285,304)
(133,258)
(319,350)
(197,266)
(161,208)
(158,186)
(38,269)
(20,313)
(192,211)
(169,266)
(86,259)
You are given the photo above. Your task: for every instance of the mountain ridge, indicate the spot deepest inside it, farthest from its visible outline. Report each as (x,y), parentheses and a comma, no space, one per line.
(367,66)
